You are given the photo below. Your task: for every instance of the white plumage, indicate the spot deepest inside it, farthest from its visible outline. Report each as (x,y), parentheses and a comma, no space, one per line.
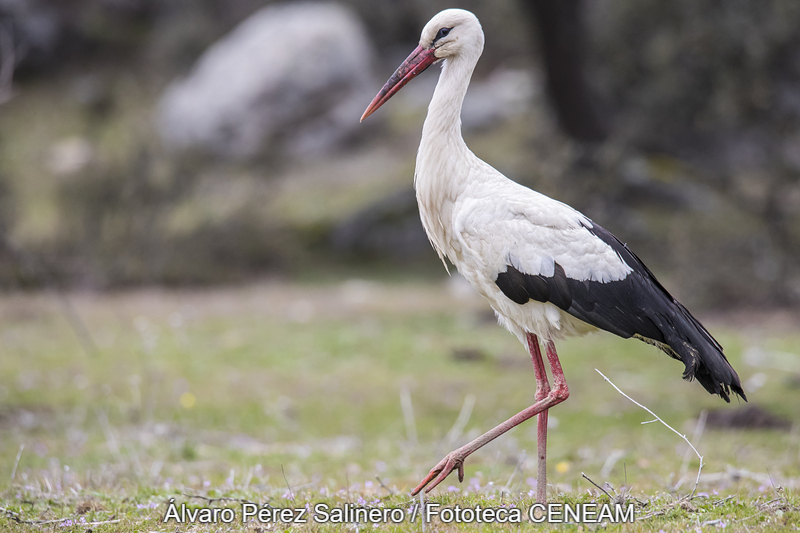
(546,269)
(517,226)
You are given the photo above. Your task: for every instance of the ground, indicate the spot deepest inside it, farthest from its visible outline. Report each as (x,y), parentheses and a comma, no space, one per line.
(347,392)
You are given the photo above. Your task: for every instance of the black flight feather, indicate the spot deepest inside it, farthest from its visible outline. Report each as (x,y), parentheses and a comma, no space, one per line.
(636,306)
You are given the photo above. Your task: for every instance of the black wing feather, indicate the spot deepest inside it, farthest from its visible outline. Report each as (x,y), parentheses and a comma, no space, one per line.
(635,306)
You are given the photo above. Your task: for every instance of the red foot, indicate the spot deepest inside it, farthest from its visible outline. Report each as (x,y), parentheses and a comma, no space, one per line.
(454,460)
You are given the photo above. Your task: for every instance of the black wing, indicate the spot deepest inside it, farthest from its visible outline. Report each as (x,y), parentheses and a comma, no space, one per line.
(637,305)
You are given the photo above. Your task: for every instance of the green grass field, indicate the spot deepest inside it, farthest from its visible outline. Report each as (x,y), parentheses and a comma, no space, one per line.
(348,393)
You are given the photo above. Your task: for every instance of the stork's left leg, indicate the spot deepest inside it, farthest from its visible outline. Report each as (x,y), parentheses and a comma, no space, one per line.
(455,459)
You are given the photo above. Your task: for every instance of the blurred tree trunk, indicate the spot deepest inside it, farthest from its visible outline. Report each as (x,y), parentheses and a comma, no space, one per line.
(562,37)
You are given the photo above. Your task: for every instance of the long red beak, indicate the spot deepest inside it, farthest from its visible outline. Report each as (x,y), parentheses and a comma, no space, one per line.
(418,61)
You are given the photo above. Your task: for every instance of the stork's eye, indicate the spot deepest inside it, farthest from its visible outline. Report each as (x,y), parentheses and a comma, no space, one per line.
(442,33)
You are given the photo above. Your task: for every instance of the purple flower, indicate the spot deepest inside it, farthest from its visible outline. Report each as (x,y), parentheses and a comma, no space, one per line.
(151,505)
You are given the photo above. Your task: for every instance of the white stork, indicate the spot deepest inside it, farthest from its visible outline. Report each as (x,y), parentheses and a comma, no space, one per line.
(547,270)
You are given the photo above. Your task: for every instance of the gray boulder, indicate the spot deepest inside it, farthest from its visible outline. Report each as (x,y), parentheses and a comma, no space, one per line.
(292,77)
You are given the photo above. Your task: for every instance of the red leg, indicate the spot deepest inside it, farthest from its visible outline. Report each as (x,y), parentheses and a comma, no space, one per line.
(542,390)
(541,453)
(542,385)
(455,459)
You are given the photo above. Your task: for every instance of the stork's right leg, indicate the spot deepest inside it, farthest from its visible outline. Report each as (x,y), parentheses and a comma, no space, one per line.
(455,459)
(542,390)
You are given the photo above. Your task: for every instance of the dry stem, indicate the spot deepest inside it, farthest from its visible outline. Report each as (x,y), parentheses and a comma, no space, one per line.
(699,470)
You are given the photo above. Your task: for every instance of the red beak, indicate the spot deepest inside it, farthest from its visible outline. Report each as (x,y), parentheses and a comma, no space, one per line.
(418,61)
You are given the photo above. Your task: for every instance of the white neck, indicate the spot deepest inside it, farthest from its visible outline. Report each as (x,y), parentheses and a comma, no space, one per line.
(443,159)
(442,128)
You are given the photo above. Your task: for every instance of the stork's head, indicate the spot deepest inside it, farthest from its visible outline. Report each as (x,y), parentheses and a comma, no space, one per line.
(450,35)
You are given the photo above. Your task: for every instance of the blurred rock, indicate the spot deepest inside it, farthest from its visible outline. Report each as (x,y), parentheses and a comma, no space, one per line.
(293,77)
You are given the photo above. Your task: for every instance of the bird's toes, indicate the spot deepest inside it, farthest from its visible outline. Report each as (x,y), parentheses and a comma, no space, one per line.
(441,477)
(435,471)
(451,462)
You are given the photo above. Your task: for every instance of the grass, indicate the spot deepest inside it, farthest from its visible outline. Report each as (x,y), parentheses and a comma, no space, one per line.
(291,395)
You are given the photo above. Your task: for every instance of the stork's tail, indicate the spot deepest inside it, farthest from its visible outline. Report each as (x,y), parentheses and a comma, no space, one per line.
(702,355)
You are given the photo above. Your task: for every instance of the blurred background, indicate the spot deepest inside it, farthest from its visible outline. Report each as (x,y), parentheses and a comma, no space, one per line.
(212,277)
(197,142)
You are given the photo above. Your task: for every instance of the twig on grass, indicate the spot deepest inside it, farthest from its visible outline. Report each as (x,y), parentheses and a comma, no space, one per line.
(652,514)
(699,470)
(598,486)
(721,501)
(383,485)
(11,515)
(114,521)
